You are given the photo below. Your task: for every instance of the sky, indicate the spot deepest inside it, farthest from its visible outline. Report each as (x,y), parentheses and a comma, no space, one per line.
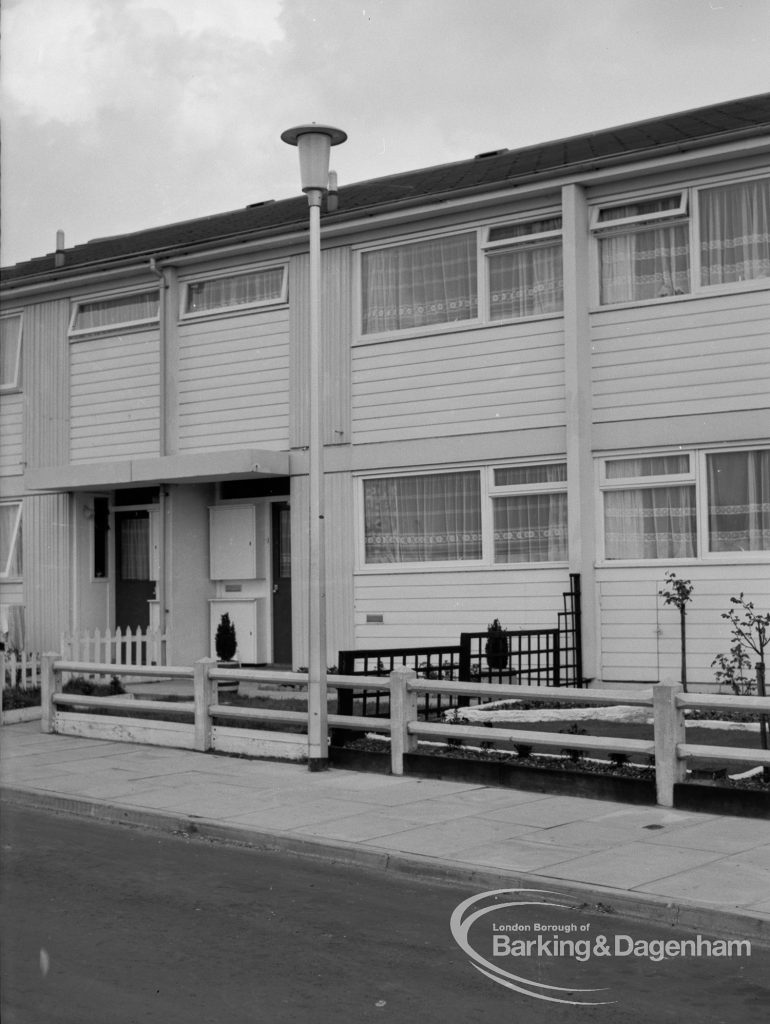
(119,115)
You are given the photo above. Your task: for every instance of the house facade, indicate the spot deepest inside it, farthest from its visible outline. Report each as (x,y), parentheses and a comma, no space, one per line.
(536,362)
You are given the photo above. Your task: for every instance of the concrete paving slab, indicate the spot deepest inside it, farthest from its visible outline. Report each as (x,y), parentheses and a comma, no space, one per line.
(742,834)
(518,854)
(725,882)
(552,810)
(446,838)
(357,828)
(294,815)
(632,865)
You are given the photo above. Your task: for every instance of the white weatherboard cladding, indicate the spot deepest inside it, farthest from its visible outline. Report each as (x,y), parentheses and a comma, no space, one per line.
(11,434)
(233,384)
(463,382)
(689,357)
(640,636)
(114,397)
(427,607)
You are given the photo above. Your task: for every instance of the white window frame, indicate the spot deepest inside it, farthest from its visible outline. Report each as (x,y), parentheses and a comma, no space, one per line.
(123,325)
(487,491)
(228,310)
(13,384)
(5,566)
(688,211)
(483,248)
(697,476)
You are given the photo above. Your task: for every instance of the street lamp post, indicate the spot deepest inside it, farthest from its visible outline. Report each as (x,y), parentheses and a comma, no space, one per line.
(314,142)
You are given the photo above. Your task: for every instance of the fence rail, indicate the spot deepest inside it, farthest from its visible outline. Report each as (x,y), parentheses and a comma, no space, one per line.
(201,730)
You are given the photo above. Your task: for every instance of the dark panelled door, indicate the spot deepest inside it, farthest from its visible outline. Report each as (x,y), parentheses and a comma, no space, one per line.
(281,555)
(133,585)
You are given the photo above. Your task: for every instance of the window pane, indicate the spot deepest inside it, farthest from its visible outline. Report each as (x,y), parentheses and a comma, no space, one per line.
(10,337)
(656,465)
(434,518)
(423,283)
(10,539)
(520,230)
(739,501)
(512,476)
(526,281)
(531,528)
(645,264)
(101,526)
(735,232)
(650,522)
(239,290)
(640,209)
(125,309)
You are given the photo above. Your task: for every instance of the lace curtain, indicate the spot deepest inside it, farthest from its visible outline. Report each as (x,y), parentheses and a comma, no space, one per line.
(123,310)
(240,290)
(739,501)
(433,518)
(645,264)
(527,281)
(531,528)
(135,549)
(10,552)
(650,522)
(423,283)
(735,232)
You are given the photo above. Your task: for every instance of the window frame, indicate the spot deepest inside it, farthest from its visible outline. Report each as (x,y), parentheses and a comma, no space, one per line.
(119,326)
(697,476)
(14,383)
(233,310)
(483,248)
(487,492)
(688,212)
(5,567)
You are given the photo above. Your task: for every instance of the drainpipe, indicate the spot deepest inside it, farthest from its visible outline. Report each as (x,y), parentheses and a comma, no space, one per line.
(162,445)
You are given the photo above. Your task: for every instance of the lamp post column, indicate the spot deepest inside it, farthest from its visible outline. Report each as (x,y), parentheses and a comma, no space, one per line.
(318,746)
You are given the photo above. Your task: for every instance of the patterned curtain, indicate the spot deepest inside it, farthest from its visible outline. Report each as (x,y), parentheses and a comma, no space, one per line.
(650,522)
(527,281)
(240,290)
(739,501)
(735,232)
(433,518)
(135,549)
(645,264)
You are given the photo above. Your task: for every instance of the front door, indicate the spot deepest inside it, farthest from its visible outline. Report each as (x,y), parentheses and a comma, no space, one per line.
(281,558)
(134,586)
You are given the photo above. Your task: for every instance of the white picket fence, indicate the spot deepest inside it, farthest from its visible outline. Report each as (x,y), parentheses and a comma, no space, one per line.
(20,668)
(115,647)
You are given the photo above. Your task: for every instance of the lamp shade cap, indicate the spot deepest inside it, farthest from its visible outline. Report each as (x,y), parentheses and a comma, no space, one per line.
(293,135)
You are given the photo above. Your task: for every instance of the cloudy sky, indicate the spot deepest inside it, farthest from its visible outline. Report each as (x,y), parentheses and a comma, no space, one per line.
(123,114)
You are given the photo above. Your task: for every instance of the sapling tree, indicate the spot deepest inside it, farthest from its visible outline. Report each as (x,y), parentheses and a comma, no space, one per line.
(678,593)
(751,637)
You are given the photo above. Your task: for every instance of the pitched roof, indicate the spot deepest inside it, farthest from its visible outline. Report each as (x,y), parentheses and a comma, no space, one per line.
(744,118)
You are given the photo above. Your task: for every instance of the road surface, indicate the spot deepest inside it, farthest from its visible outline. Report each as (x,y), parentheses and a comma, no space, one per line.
(106,924)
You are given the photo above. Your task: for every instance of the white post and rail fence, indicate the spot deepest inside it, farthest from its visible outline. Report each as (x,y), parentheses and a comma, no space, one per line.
(203,727)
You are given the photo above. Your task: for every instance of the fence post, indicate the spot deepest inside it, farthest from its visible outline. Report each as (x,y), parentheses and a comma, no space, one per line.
(403,710)
(669,725)
(205,694)
(50,683)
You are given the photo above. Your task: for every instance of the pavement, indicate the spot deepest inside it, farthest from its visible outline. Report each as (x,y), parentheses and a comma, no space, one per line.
(703,872)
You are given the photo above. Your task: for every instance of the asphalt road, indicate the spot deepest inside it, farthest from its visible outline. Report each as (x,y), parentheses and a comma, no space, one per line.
(112,925)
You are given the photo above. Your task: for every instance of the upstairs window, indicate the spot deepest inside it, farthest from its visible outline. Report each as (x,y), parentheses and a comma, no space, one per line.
(696,239)
(644,249)
(262,287)
(10,539)
(116,312)
(524,265)
(734,223)
(10,352)
(419,284)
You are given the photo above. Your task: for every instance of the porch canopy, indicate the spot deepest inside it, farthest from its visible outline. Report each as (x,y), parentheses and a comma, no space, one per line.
(169,469)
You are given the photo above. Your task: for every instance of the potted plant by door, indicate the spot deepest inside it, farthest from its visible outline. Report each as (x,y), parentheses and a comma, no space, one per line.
(496,647)
(226,644)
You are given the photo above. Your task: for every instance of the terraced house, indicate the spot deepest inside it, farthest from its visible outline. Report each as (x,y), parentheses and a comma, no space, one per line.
(536,362)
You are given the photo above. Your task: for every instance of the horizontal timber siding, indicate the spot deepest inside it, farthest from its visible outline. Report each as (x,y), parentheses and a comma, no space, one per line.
(114,398)
(640,635)
(424,608)
(690,357)
(233,387)
(477,381)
